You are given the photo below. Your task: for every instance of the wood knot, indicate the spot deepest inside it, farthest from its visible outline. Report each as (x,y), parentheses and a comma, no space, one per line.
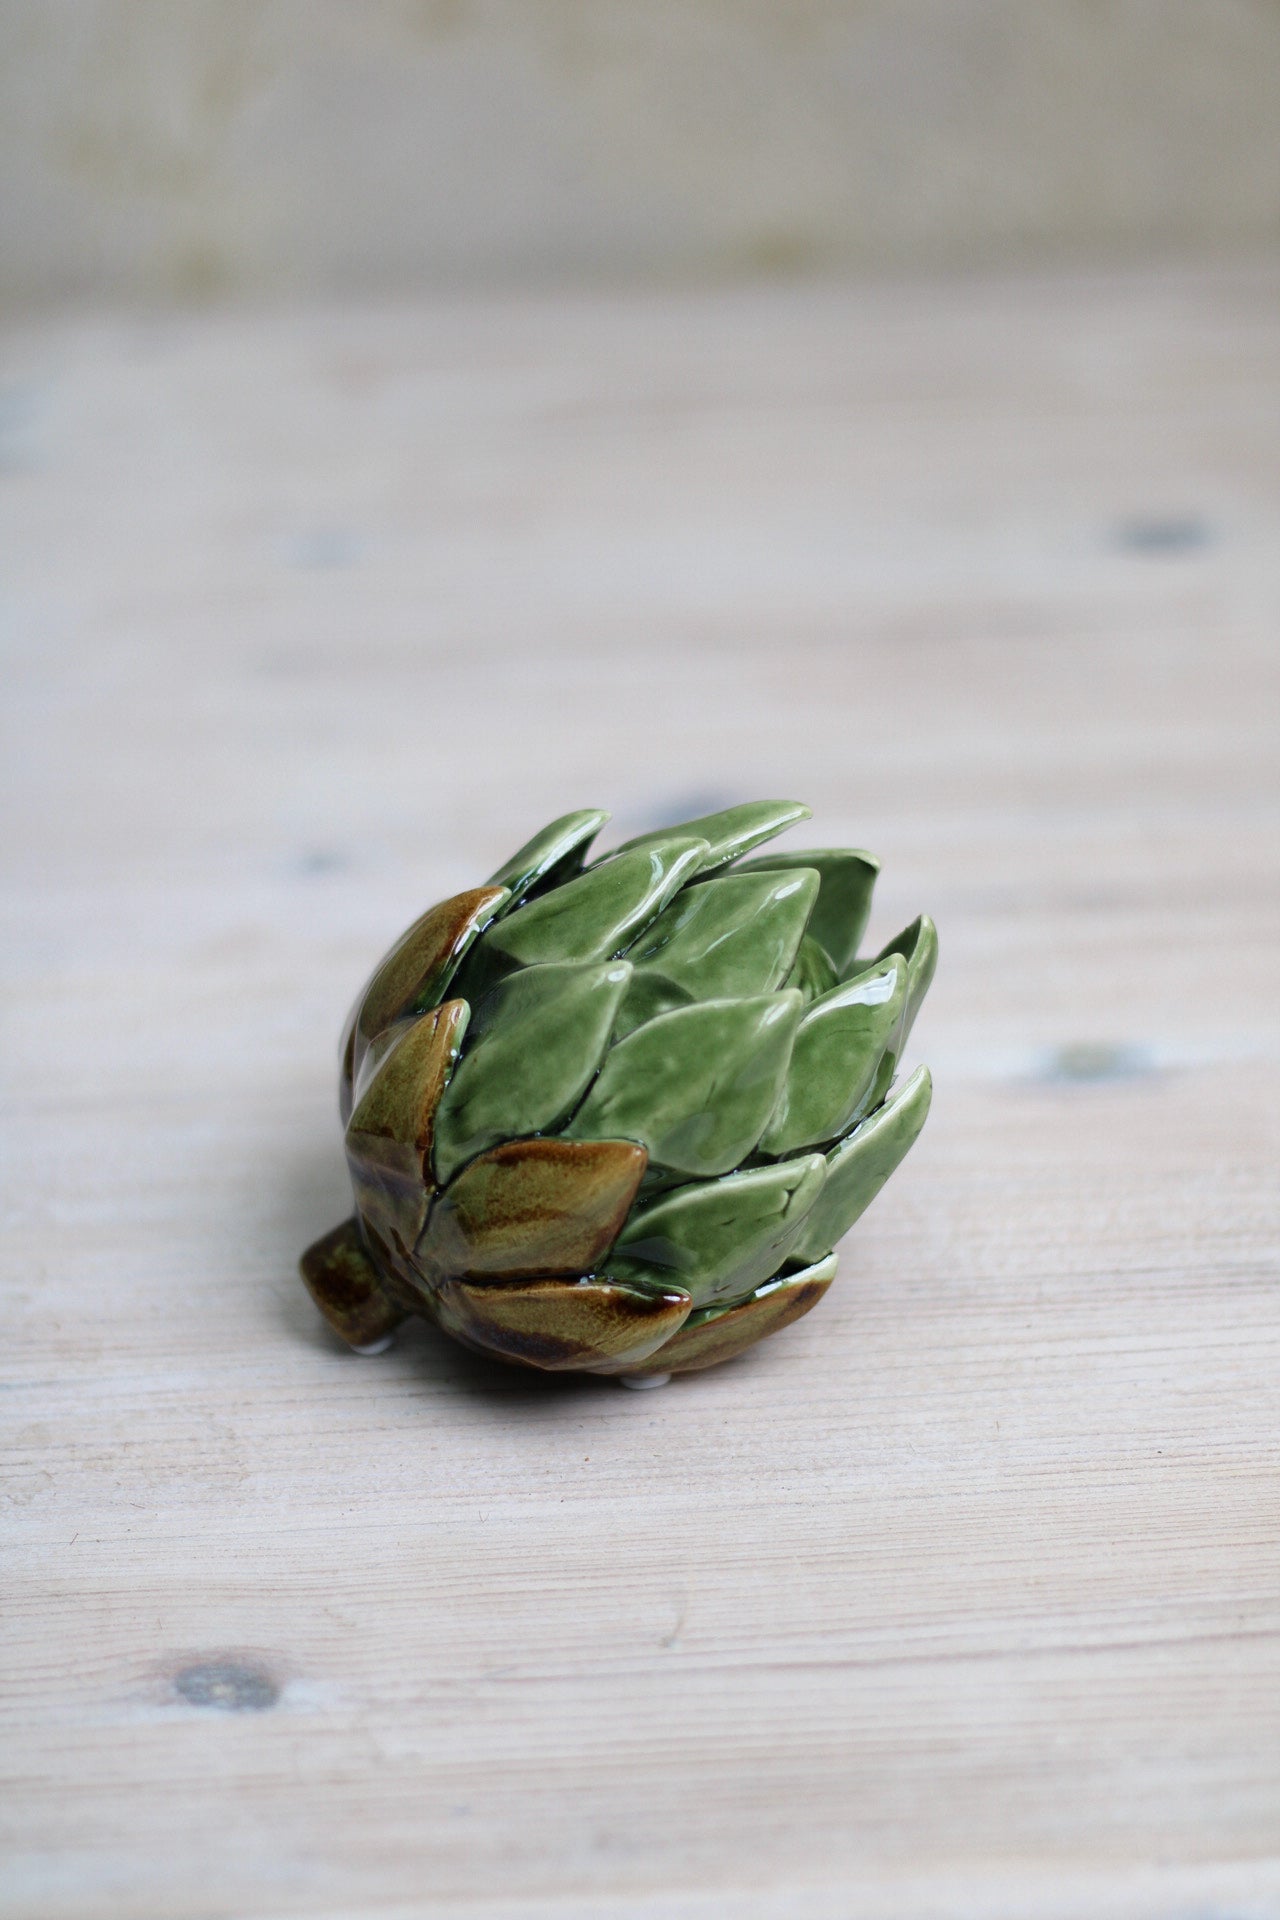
(227,1686)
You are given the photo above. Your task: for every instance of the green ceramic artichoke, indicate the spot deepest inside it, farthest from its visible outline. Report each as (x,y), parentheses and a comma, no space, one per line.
(616,1117)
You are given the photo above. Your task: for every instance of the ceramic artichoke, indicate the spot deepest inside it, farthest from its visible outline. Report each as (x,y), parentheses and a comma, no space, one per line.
(615,1117)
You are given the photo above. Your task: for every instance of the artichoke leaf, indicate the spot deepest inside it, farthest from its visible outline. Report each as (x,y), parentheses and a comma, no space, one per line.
(839,1046)
(600,912)
(731,832)
(713,1334)
(415,973)
(388,1138)
(812,973)
(598,1326)
(533,1209)
(371,1060)
(648,994)
(551,857)
(398,1101)
(696,1086)
(859,1166)
(918,944)
(885,1075)
(535,1042)
(730,937)
(720,1238)
(847,877)
(392,1197)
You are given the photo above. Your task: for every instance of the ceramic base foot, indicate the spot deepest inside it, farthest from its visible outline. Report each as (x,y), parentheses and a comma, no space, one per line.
(373,1347)
(639,1381)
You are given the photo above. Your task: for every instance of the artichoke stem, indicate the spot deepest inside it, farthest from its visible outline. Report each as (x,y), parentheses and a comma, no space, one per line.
(349,1290)
(638,1381)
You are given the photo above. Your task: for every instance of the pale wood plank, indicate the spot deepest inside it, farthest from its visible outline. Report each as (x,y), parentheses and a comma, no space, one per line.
(961,1597)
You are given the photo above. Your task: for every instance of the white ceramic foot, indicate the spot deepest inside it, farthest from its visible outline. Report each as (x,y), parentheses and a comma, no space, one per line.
(376,1346)
(639,1381)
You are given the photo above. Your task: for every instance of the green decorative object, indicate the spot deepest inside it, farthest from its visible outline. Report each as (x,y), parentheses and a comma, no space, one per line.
(614,1118)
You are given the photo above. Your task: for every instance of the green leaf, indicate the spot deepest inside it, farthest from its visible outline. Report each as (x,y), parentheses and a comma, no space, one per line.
(733,831)
(812,973)
(839,1046)
(732,937)
(847,876)
(860,1165)
(535,1043)
(649,994)
(550,857)
(596,915)
(883,1080)
(697,1086)
(918,944)
(720,1238)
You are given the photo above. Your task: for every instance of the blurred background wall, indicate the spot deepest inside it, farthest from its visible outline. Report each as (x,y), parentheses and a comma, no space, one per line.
(180,149)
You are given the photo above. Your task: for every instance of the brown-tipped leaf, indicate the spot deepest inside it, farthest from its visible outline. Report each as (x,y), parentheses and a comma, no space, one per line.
(533,1208)
(714,1334)
(419,967)
(598,1326)
(389,1136)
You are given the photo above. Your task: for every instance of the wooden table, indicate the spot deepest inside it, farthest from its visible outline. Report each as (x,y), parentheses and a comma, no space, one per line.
(962,1598)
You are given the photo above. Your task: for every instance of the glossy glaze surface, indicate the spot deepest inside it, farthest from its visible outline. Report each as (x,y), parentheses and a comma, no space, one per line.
(413,975)
(718,1333)
(533,1209)
(597,1326)
(720,1238)
(658,1093)
(538,1040)
(846,880)
(391,1130)
(839,1045)
(695,1087)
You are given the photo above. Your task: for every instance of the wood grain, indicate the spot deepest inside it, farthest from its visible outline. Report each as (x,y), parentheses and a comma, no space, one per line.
(962,1596)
